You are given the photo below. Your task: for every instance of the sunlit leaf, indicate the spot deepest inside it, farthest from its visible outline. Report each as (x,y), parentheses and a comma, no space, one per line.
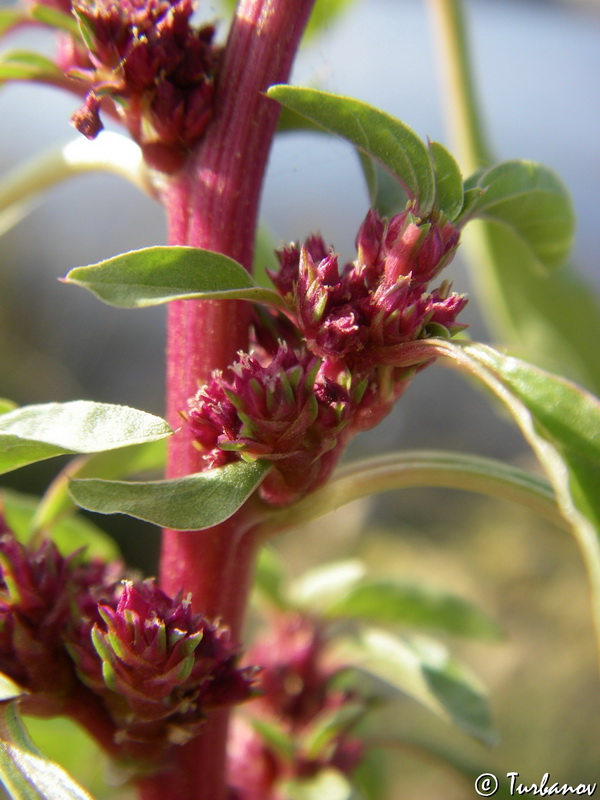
(69,533)
(9,690)
(325,584)
(9,17)
(190,503)
(54,18)
(392,601)
(424,670)
(158,275)
(449,191)
(561,423)
(6,405)
(327,784)
(552,320)
(531,200)
(26,66)
(379,135)
(26,773)
(34,433)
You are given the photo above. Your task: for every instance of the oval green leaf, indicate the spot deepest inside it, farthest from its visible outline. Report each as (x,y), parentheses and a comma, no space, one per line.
(34,433)
(26,773)
(391,601)
(561,423)
(27,66)
(449,190)
(157,275)
(191,503)
(423,669)
(375,133)
(531,200)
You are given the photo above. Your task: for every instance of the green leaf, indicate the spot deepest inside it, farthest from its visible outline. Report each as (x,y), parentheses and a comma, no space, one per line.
(269,578)
(9,690)
(6,405)
(327,784)
(328,725)
(158,275)
(531,200)
(56,503)
(27,66)
(552,320)
(26,773)
(392,601)
(34,433)
(423,669)
(375,133)
(9,17)
(69,533)
(449,191)
(325,584)
(55,19)
(561,423)
(194,502)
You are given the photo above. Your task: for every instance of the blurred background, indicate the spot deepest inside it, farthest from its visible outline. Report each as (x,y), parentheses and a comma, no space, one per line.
(537,67)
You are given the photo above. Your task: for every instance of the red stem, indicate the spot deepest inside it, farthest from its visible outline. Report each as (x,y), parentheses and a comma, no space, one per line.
(213,203)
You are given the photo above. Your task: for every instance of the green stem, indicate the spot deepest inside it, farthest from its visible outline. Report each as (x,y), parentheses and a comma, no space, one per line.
(459,91)
(419,468)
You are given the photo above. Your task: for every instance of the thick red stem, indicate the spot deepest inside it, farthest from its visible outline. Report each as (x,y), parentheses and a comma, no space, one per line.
(213,204)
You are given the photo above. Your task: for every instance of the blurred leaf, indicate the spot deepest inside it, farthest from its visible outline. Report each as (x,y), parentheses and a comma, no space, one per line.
(9,17)
(34,433)
(386,195)
(424,670)
(190,503)
(561,423)
(26,66)
(113,464)
(269,578)
(275,737)
(327,784)
(6,405)
(449,190)
(54,18)
(325,584)
(9,690)
(26,773)
(69,534)
(158,275)
(391,601)
(553,320)
(324,15)
(384,138)
(328,725)
(531,200)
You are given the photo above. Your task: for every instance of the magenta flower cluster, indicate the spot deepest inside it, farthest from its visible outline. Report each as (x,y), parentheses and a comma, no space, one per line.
(297,692)
(74,632)
(340,358)
(143,61)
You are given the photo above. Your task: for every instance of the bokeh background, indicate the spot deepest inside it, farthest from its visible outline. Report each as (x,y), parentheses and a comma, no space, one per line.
(537,66)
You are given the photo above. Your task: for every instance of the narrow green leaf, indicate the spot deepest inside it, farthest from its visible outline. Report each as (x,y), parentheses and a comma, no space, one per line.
(6,405)
(561,423)
(327,784)
(379,135)
(449,191)
(34,433)
(328,725)
(552,320)
(55,19)
(423,669)
(9,690)
(26,773)
(392,601)
(26,66)
(158,275)
(69,533)
(269,578)
(190,503)
(56,503)
(531,200)
(9,17)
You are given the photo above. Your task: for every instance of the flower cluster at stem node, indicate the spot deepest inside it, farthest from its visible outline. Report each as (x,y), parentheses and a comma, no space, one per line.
(338,361)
